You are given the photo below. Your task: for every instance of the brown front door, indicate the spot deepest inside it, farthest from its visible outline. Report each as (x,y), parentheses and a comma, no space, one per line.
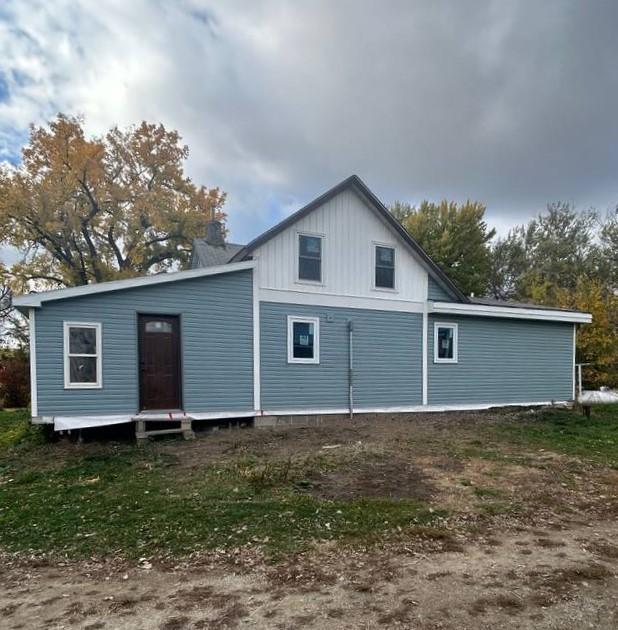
(159,362)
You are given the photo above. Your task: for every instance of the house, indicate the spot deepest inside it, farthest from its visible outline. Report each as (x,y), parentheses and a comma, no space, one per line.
(335,310)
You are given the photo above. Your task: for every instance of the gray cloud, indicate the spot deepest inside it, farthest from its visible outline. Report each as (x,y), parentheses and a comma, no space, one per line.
(511,103)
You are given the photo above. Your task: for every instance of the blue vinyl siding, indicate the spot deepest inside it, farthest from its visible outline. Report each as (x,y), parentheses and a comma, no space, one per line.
(387,359)
(216,320)
(436,293)
(503,361)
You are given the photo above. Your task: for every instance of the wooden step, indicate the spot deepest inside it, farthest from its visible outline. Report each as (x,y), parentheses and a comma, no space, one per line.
(142,433)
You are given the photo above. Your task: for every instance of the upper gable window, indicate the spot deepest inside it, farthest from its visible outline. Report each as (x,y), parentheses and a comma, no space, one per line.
(385,267)
(310,258)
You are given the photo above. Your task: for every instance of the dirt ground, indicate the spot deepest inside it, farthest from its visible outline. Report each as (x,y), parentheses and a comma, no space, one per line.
(552,563)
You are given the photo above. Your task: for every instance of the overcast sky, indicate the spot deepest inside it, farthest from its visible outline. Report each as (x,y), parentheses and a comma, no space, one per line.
(513,103)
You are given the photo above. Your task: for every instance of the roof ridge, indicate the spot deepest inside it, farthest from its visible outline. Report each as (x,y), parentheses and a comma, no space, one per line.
(354,181)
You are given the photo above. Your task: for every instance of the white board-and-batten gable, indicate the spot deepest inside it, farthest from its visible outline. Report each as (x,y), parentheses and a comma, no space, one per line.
(350,231)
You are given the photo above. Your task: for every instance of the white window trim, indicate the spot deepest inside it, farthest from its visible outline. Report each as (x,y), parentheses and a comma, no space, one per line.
(455,328)
(299,280)
(99,356)
(292,319)
(374,258)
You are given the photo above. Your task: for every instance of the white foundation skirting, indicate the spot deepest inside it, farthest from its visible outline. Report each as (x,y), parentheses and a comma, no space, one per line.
(67,423)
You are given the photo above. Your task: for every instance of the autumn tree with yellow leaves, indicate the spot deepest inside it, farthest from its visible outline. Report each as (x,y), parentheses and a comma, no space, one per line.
(86,210)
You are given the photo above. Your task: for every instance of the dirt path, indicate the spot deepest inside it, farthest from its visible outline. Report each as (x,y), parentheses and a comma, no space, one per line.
(550,578)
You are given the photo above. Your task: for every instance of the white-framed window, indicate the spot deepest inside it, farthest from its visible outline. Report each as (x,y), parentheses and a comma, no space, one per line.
(83,355)
(310,250)
(445,339)
(384,266)
(303,339)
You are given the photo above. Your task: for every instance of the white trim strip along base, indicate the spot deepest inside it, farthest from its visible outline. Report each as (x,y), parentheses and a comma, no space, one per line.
(66,423)
(411,409)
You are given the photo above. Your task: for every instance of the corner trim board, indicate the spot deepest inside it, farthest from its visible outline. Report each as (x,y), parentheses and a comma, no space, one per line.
(34,405)
(574,359)
(425,362)
(257,382)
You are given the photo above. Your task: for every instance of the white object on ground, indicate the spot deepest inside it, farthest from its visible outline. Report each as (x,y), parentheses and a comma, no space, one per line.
(597,397)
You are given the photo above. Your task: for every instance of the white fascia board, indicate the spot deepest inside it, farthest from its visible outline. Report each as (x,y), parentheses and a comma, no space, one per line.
(35,300)
(511,312)
(315,298)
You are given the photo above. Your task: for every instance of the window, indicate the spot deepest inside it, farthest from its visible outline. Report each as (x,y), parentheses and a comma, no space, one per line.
(385,267)
(158,327)
(310,258)
(445,343)
(82,355)
(303,340)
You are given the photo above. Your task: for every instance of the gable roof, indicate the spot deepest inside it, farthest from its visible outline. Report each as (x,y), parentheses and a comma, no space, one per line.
(36,300)
(354,182)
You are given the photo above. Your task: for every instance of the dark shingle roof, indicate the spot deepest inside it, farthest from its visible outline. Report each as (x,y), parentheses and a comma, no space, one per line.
(206,255)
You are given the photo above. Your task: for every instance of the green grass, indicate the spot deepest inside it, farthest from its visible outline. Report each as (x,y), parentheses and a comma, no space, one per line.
(569,432)
(16,430)
(137,502)
(120,499)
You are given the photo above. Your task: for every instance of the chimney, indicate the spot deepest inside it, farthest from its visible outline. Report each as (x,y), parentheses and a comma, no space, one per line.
(214,233)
